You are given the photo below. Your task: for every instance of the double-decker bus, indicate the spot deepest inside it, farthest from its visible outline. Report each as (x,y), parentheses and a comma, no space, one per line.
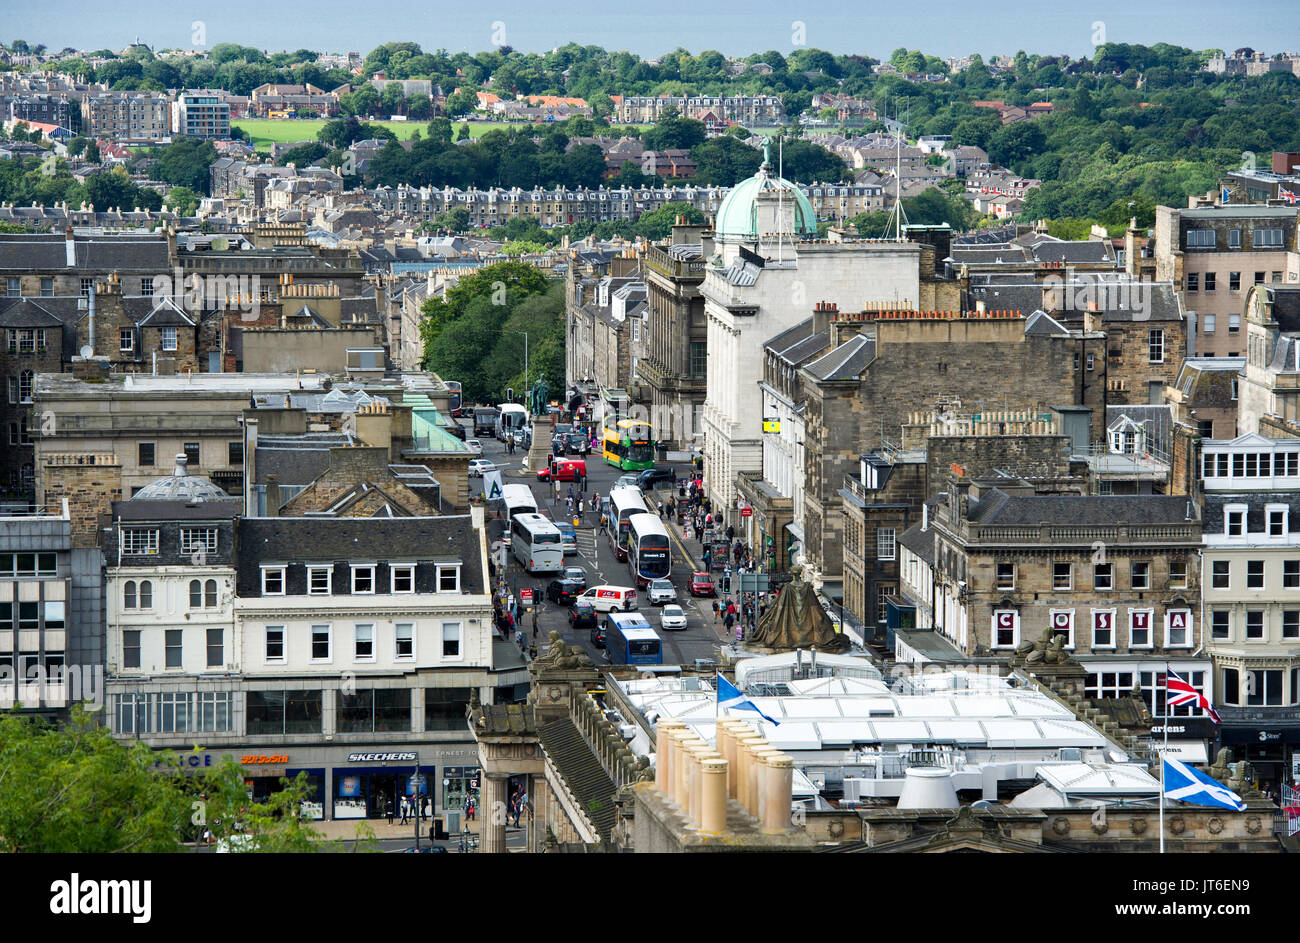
(535,541)
(629,445)
(648,556)
(624,503)
(454,403)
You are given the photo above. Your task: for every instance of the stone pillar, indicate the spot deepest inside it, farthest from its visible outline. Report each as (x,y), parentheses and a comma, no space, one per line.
(758,777)
(682,795)
(492,834)
(543,428)
(779,774)
(713,806)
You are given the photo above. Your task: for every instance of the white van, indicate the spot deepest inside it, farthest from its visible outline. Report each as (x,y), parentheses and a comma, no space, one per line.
(611,598)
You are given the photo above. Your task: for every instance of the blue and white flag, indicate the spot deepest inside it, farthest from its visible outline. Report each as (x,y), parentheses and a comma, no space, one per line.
(729,697)
(1225,194)
(1186,784)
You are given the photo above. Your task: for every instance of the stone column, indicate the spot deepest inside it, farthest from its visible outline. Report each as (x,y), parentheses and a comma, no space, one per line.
(744,774)
(682,793)
(713,805)
(492,833)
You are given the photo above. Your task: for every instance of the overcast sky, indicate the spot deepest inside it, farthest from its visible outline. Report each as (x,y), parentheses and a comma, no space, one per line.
(940,27)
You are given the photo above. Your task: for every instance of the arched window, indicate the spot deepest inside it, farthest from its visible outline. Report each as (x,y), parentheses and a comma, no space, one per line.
(210,593)
(196,594)
(128,595)
(146,594)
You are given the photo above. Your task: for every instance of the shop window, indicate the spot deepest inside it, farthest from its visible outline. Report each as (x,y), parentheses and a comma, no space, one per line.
(444,708)
(282,712)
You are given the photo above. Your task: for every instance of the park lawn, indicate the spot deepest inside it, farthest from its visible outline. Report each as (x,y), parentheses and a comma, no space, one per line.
(266,131)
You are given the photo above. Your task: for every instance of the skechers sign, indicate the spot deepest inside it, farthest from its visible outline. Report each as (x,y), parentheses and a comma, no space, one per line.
(380,757)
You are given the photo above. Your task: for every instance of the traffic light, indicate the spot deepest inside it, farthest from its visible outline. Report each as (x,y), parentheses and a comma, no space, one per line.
(510,394)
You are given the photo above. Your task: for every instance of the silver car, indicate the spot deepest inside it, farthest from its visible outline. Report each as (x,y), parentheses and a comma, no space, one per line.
(672,617)
(661,591)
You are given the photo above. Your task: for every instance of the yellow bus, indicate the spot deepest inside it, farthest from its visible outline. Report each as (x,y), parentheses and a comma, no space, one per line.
(629,445)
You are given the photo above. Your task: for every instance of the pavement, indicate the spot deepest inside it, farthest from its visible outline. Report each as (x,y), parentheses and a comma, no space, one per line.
(389,835)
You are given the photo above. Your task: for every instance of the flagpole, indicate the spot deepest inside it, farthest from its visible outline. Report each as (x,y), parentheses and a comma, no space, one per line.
(1162,762)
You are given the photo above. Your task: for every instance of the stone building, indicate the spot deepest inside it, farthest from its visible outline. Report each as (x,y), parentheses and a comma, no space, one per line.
(889,365)
(1116,578)
(605,305)
(1251,590)
(1215,255)
(763,279)
(1205,395)
(1270,393)
(675,366)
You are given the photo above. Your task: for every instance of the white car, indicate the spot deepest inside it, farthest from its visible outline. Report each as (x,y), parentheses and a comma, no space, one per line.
(475,446)
(661,591)
(672,617)
(478,467)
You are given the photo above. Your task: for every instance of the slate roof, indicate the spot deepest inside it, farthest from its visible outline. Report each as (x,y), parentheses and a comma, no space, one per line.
(581,772)
(44,252)
(846,361)
(300,539)
(1286,307)
(920,542)
(296,460)
(25,312)
(798,343)
(1001,510)
(1256,515)
(1042,323)
(146,509)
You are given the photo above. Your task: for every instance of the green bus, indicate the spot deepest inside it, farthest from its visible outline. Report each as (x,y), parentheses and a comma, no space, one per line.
(629,445)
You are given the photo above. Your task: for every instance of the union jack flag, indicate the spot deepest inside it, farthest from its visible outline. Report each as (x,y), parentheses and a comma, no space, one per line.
(1179,692)
(1284,194)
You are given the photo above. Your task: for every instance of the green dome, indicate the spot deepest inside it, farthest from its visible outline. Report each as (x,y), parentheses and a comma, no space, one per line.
(738,217)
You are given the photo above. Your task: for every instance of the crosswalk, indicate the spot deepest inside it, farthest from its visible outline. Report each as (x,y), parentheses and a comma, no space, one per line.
(586,540)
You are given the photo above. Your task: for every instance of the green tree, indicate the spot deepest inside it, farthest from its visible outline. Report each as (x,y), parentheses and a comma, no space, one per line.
(304,154)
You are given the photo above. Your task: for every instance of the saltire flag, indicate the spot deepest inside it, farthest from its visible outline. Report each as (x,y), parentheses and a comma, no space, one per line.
(1179,692)
(1189,785)
(730,698)
(1289,195)
(1225,194)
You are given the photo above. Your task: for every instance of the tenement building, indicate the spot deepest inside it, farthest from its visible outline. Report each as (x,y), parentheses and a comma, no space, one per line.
(1112,580)
(1251,588)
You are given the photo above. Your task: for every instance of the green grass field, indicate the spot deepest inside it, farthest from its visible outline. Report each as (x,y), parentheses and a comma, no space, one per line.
(266,131)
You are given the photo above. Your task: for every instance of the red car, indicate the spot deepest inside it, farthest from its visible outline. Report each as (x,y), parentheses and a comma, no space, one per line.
(564,469)
(702,584)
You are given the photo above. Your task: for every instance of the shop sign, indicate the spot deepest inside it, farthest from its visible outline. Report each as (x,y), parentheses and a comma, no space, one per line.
(263,759)
(380,757)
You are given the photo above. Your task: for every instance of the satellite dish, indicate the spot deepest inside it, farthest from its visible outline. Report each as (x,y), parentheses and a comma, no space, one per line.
(221,243)
(87,351)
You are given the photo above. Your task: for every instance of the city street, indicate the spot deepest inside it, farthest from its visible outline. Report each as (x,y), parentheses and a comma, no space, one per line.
(702,635)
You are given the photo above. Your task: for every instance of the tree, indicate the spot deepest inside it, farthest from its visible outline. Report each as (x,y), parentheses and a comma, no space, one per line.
(1016,142)
(462,131)
(184,200)
(185,162)
(74,789)
(674,132)
(92,152)
(304,154)
(463,101)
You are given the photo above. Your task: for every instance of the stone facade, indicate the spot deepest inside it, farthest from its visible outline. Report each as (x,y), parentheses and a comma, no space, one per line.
(89,482)
(922,360)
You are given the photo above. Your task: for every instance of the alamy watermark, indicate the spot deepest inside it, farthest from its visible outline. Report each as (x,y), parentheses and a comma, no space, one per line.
(199,293)
(39,683)
(1071,292)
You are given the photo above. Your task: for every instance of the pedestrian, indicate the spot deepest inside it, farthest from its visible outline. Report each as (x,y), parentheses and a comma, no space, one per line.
(661,510)
(519,638)
(582,508)
(519,805)
(582,477)
(532,650)
(388,810)
(717,606)
(406,809)
(729,620)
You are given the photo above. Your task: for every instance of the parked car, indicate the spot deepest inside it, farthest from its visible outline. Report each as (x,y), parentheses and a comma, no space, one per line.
(661,591)
(478,467)
(672,617)
(563,591)
(653,477)
(475,446)
(575,573)
(702,584)
(569,541)
(582,615)
(627,481)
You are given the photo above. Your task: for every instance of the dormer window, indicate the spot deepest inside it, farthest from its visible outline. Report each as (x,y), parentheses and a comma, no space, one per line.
(273,580)
(363,578)
(1277,524)
(1235,522)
